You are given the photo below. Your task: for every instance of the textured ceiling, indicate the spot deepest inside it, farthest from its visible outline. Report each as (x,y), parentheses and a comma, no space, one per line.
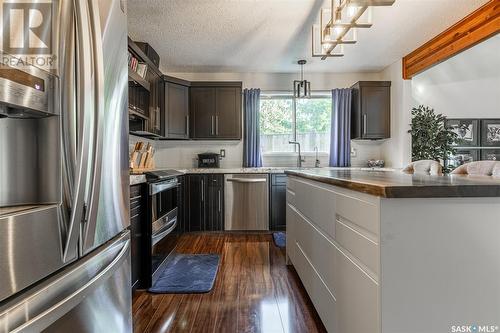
(271,35)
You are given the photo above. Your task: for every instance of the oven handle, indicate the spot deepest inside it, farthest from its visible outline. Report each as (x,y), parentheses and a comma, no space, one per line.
(168,229)
(160,187)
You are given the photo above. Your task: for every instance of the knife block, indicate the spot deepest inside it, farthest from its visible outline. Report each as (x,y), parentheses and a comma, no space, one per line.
(141,158)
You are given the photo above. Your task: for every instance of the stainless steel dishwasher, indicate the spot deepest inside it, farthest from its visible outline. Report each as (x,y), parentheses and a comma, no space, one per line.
(246,202)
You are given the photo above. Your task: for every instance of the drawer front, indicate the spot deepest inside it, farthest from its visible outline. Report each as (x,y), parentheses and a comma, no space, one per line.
(357,298)
(360,210)
(135,191)
(323,301)
(135,201)
(135,211)
(316,203)
(318,249)
(362,246)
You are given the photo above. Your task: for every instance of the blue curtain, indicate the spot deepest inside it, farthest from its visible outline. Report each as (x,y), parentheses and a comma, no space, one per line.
(251,145)
(340,144)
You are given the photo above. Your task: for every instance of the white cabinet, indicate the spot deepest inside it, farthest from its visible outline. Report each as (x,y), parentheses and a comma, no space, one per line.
(332,240)
(380,265)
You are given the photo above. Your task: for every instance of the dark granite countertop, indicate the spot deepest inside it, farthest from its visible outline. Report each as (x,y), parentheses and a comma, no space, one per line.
(395,184)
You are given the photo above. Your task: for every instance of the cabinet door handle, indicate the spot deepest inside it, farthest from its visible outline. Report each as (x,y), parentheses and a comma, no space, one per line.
(187,125)
(364,123)
(216,125)
(202,190)
(158,118)
(211,125)
(220,204)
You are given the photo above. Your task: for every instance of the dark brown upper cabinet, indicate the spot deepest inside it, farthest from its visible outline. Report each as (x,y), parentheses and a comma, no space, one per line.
(176,108)
(371,110)
(155,100)
(202,112)
(145,96)
(215,110)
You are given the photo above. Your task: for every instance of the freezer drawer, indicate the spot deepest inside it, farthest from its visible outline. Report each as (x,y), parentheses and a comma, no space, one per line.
(30,247)
(246,202)
(90,295)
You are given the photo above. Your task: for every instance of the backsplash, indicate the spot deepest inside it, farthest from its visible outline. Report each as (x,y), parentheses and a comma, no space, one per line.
(183,154)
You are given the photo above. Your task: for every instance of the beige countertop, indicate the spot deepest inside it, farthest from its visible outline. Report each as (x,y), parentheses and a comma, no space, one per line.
(138,179)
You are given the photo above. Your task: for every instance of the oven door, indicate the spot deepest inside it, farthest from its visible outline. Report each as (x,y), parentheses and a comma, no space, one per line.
(163,226)
(163,219)
(164,197)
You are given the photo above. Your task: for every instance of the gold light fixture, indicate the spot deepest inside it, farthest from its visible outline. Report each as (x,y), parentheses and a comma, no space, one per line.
(338,25)
(302,88)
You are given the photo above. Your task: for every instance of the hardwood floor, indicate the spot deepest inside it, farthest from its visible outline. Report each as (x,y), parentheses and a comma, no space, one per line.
(254,292)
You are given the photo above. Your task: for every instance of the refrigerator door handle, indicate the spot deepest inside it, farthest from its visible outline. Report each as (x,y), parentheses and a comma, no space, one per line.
(85,126)
(58,310)
(98,86)
(69,134)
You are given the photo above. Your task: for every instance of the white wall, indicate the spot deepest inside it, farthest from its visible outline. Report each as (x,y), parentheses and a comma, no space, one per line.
(465,86)
(396,151)
(182,154)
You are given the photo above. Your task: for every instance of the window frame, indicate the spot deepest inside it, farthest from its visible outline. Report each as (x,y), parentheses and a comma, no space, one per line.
(287,94)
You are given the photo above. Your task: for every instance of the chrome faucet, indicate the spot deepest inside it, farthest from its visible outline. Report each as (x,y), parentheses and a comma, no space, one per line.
(317,163)
(300,159)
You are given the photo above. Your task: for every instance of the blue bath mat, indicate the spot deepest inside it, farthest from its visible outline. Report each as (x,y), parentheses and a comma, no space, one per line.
(279,239)
(188,274)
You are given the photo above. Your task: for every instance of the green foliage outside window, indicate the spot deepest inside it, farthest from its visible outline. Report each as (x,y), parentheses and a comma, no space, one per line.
(313,115)
(276,116)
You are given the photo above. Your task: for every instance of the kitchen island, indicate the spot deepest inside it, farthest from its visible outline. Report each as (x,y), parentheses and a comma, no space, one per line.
(387,252)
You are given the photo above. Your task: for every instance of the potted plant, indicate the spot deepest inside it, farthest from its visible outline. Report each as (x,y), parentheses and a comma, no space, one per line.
(430,138)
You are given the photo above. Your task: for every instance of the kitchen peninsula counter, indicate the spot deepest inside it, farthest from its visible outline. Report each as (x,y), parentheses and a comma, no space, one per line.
(384,252)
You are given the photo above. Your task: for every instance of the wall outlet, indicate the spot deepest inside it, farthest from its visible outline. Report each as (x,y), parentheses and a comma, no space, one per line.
(222,153)
(354,152)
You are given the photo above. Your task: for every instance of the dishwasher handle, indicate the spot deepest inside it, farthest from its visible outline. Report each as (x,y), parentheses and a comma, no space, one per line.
(247,180)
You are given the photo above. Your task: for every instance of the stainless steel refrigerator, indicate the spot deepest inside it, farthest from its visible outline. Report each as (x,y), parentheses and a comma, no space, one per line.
(64,181)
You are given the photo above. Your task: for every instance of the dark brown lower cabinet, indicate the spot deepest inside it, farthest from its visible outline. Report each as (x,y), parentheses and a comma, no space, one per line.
(195,205)
(277,204)
(215,203)
(204,203)
(181,204)
(137,216)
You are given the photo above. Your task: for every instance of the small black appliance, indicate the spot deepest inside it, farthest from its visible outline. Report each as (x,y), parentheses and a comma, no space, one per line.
(209,160)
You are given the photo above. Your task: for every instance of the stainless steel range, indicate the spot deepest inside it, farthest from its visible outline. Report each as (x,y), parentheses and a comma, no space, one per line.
(162,208)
